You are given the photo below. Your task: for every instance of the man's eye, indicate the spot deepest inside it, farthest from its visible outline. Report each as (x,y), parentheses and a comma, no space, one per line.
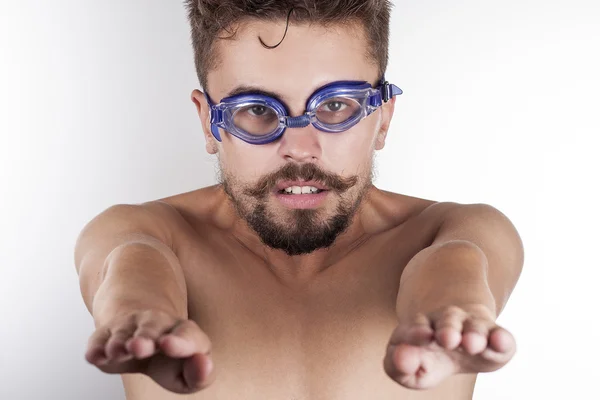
(258,111)
(335,106)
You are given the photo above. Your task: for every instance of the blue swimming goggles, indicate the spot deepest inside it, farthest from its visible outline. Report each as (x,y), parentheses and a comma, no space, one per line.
(333,108)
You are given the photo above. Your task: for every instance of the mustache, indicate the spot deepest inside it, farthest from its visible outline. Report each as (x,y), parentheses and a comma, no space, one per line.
(304,172)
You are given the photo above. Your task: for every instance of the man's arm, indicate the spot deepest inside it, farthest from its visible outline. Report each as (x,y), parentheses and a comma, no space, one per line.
(450,295)
(133,285)
(476,257)
(124,259)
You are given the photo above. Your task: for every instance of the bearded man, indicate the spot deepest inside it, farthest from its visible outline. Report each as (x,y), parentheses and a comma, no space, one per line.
(295,277)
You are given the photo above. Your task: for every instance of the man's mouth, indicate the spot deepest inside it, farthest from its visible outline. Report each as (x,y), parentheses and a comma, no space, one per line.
(301,194)
(296,188)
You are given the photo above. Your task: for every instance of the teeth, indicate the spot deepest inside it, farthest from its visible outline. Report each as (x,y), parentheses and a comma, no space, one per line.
(301,190)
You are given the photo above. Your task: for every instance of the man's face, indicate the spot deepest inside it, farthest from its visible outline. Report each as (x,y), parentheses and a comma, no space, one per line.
(256,176)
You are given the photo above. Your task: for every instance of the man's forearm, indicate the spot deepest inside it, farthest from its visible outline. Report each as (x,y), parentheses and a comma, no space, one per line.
(452,274)
(139,276)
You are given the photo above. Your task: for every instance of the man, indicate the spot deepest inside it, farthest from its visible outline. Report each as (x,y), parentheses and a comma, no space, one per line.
(295,277)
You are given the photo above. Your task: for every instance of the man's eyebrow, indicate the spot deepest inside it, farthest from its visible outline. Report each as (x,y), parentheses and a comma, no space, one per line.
(245,89)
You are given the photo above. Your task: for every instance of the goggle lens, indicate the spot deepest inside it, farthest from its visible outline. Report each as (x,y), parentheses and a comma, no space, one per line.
(256,119)
(337,110)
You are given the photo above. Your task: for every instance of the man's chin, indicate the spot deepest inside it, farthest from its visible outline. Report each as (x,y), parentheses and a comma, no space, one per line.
(284,216)
(297,246)
(303,232)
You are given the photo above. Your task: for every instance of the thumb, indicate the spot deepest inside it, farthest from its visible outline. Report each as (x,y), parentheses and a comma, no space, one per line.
(184,340)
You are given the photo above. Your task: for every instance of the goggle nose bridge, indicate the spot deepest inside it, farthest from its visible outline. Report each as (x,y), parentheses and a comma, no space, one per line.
(298,122)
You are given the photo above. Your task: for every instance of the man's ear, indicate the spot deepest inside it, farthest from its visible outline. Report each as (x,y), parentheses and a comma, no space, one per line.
(387,112)
(202,108)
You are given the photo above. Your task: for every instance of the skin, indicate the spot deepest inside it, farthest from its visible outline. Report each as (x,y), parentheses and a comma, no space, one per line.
(402,306)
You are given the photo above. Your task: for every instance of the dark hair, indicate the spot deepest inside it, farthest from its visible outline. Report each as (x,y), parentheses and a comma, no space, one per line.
(210,18)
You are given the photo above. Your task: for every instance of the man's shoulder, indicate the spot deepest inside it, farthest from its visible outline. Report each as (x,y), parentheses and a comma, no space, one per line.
(196,201)
(400,210)
(182,218)
(199,209)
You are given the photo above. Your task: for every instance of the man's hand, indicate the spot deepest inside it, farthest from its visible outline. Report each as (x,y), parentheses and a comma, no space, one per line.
(425,349)
(175,353)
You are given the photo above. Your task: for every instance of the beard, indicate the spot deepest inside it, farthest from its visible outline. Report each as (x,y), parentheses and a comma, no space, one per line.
(302,231)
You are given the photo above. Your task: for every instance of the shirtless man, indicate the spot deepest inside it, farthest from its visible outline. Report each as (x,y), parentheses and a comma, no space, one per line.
(295,277)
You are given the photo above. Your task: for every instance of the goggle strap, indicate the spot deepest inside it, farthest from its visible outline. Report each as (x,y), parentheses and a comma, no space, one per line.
(215,131)
(375,99)
(388,91)
(216,118)
(216,115)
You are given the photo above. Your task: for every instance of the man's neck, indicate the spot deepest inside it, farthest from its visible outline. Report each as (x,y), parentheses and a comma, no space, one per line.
(300,269)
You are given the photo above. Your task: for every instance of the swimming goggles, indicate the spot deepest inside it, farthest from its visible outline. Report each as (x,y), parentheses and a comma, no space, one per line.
(333,108)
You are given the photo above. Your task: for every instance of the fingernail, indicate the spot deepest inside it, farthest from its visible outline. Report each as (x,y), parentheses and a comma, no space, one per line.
(209,367)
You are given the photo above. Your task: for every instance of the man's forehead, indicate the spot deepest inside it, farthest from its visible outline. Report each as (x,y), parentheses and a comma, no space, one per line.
(310,56)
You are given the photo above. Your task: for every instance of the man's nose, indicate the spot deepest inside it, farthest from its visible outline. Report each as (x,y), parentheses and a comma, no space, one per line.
(300,144)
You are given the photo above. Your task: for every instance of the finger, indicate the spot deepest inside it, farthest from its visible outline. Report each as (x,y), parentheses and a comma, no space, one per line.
(401,360)
(183,376)
(475,335)
(417,331)
(416,367)
(115,347)
(448,326)
(95,352)
(501,340)
(125,367)
(143,342)
(154,324)
(184,340)
(197,371)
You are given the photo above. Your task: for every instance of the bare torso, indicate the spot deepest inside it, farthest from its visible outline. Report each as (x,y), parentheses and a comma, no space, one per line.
(323,339)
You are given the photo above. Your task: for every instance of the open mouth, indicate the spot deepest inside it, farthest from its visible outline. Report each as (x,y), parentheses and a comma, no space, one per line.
(301,194)
(296,190)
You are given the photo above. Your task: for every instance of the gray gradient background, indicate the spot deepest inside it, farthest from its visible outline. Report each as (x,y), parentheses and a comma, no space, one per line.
(500,107)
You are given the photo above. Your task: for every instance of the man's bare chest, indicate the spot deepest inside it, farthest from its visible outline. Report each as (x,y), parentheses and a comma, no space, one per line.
(327,340)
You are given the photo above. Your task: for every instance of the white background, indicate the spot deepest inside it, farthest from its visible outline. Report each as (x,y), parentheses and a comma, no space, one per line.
(501,106)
